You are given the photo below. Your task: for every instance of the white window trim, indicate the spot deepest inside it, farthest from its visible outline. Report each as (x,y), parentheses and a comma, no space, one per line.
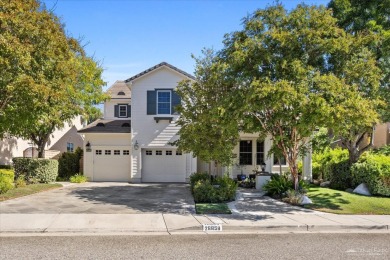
(119,110)
(170,101)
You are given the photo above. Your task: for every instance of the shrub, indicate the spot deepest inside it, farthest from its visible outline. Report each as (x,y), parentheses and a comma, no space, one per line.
(221,189)
(385,150)
(227,188)
(322,161)
(339,175)
(374,170)
(36,170)
(278,185)
(69,164)
(199,176)
(20,182)
(78,178)
(293,197)
(8,173)
(6,183)
(204,191)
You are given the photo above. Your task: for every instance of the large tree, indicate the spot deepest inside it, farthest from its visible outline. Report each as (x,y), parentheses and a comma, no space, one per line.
(277,76)
(210,136)
(47,79)
(367,17)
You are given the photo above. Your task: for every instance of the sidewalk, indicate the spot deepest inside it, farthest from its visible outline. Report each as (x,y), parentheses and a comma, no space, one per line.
(178,224)
(251,213)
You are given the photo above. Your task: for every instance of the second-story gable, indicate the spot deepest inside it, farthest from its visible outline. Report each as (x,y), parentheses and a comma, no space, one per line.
(119,104)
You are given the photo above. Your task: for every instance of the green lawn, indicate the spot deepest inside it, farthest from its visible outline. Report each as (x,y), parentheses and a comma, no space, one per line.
(212,208)
(341,202)
(29,189)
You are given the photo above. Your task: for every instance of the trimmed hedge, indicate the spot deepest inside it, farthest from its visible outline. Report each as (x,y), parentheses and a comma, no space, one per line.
(36,170)
(8,173)
(374,170)
(7,167)
(339,175)
(69,164)
(220,189)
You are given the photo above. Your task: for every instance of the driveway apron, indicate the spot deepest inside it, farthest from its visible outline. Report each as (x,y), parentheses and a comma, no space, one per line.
(106,198)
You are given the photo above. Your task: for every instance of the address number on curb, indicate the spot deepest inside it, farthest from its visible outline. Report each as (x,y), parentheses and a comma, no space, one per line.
(212,227)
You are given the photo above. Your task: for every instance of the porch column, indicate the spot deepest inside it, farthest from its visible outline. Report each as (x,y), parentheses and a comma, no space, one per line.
(307,166)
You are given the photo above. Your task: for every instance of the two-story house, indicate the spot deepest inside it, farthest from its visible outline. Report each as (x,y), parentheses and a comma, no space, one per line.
(133,140)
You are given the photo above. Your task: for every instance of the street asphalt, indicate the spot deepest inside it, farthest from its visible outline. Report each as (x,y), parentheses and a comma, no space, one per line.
(121,208)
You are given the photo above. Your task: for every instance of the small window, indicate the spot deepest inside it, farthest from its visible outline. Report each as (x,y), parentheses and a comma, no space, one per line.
(117,152)
(148,152)
(122,110)
(69,147)
(178,153)
(121,93)
(98,152)
(158,152)
(168,152)
(100,124)
(107,152)
(282,160)
(126,152)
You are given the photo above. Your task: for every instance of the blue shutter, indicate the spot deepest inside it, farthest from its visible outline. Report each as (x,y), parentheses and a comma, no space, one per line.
(151,102)
(128,110)
(176,100)
(116,110)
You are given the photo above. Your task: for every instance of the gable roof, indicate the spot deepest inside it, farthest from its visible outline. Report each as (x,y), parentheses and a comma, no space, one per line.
(158,66)
(119,90)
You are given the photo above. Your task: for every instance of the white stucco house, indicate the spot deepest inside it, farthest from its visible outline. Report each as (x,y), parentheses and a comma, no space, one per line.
(61,140)
(132,142)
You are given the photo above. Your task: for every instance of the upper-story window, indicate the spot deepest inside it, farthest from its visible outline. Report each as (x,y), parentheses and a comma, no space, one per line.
(122,110)
(69,147)
(164,102)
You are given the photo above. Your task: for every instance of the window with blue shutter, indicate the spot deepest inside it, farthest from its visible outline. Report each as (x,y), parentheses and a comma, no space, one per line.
(162,102)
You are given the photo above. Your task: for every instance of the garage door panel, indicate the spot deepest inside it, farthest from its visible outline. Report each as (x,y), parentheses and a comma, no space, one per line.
(111,167)
(163,168)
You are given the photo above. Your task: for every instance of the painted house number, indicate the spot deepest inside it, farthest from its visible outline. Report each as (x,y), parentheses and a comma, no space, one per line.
(212,227)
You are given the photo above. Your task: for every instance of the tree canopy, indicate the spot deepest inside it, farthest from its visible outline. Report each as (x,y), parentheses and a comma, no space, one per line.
(286,73)
(47,79)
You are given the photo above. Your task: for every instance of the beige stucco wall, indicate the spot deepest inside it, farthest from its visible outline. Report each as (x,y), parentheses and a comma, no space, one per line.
(382,135)
(14,147)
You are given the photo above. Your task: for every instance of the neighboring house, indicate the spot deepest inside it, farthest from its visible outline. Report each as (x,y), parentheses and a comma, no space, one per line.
(381,135)
(133,140)
(62,140)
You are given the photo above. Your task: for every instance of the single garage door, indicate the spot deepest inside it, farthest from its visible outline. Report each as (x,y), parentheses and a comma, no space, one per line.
(163,165)
(111,164)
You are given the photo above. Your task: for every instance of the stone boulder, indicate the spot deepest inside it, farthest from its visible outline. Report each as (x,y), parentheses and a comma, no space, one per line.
(305,200)
(362,189)
(325,184)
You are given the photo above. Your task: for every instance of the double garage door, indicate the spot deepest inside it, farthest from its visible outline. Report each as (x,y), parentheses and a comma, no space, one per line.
(111,164)
(163,165)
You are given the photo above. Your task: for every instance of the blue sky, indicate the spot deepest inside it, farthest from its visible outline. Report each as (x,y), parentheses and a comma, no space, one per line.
(129,36)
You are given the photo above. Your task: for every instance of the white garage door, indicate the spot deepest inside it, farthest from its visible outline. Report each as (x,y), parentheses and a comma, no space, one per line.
(163,165)
(111,164)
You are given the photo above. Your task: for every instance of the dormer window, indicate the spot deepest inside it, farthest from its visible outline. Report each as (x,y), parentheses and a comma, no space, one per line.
(121,93)
(100,124)
(122,110)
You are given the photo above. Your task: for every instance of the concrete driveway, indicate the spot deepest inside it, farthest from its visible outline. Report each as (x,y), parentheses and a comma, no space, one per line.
(106,198)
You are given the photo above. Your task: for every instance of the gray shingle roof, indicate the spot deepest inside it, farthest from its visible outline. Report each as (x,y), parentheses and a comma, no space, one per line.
(158,66)
(119,90)
(107,126)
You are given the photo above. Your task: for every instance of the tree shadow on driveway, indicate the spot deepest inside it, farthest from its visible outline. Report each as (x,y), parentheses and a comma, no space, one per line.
(137,198)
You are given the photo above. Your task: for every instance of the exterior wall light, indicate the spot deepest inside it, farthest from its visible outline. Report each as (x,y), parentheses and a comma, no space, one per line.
(263,166)
(136,145)
(88,147)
